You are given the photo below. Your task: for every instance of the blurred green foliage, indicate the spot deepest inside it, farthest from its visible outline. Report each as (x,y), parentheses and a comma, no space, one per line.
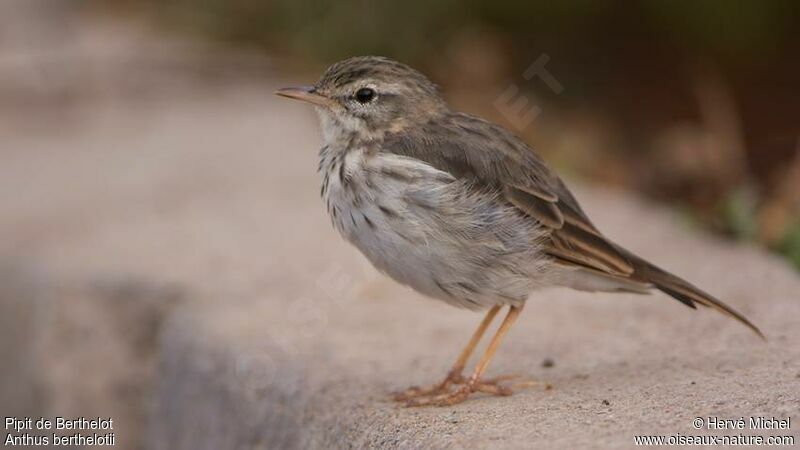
(790,245)
(414,30)
(739,213)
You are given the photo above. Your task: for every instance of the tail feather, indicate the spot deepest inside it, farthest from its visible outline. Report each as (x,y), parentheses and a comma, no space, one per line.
(683,291)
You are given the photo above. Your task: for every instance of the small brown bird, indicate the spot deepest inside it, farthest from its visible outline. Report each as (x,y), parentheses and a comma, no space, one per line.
(459,209)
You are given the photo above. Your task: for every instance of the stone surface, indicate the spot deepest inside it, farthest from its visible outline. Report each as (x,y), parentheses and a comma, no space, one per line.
(315,369)
(20,293)
(81,349)
(289,339)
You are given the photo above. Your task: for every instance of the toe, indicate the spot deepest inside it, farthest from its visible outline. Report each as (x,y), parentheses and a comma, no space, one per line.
(412,391)
(494,389)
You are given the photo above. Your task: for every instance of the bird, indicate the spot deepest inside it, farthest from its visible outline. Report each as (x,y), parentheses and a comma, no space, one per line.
(459,209)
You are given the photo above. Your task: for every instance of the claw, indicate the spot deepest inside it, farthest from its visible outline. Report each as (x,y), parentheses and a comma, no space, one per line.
(416,391)
(437,389)
(446,399)
(494,389)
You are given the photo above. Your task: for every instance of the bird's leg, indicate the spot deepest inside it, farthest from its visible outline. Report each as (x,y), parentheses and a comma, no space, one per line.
(474,383)
(454,376)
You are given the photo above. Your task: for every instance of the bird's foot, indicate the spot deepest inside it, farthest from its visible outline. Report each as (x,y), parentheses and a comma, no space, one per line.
(437,389)
(448,398)
(441,395)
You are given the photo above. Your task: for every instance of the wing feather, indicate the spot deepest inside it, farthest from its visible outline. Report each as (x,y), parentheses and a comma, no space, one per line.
(496,157)
(466,146)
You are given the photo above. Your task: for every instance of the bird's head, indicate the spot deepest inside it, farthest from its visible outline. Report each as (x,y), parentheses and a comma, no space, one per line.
(371,96)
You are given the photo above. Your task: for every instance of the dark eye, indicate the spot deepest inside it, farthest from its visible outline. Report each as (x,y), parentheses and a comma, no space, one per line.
(365,95)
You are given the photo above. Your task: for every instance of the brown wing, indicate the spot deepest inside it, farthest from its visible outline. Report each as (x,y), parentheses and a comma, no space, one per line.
(573,237)
(464,145)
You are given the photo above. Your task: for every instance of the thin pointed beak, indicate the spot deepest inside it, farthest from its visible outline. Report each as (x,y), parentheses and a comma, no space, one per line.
(306,94)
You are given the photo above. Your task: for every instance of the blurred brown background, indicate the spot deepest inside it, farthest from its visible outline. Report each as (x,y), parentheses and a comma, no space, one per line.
(692,103)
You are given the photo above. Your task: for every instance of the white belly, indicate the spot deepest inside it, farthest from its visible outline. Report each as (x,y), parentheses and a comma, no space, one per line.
(432,232)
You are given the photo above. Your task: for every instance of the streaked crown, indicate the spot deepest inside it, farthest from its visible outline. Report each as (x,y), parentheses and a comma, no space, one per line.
(379,70)
(374,94)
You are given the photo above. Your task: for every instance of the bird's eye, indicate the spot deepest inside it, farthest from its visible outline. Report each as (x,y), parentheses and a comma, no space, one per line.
(365,95)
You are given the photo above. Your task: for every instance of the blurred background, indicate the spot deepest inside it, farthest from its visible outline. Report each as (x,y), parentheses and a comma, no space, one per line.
(143,159)
(694,104)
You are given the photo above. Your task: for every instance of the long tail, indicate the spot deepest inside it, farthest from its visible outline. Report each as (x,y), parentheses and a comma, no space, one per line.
(682,290)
